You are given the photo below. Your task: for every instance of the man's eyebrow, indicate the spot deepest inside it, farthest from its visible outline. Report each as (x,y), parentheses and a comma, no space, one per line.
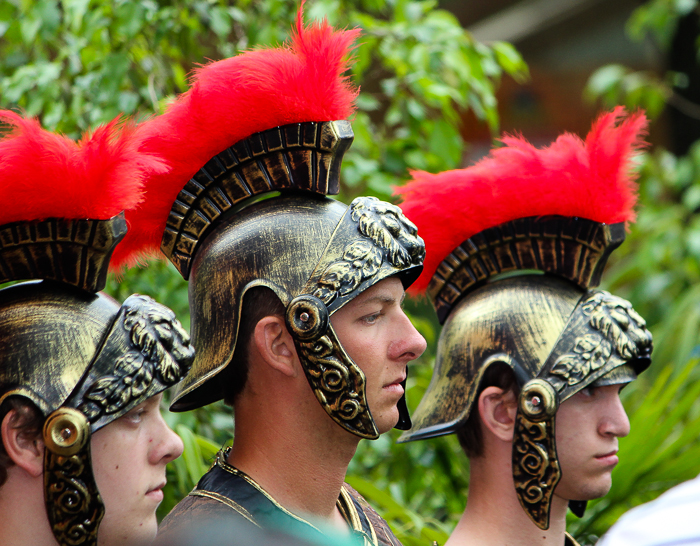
(383,298)
(379,298)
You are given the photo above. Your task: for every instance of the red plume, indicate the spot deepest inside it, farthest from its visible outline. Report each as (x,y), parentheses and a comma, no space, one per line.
(591,179)
(232,99)
(45,175)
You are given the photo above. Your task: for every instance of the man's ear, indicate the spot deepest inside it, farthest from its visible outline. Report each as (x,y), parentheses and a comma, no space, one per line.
(497,409)
(26,453)
(276,345)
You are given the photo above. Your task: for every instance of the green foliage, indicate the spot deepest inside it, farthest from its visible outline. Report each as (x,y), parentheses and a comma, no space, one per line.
(82,62)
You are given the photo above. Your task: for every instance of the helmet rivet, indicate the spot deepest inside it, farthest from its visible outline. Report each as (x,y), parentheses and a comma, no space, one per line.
(304,317)
(536,401)
(66,433)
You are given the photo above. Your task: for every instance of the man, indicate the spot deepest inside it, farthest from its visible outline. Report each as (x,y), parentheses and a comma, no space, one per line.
(83,445)
(514,245)
(293,291)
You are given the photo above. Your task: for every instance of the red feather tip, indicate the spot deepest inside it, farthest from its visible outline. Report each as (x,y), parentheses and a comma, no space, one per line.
(46,175)
(230,100)
(591,179)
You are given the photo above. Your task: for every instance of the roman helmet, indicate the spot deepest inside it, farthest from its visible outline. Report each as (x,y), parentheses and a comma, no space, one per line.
(515,246)
(272,122)
(73,351)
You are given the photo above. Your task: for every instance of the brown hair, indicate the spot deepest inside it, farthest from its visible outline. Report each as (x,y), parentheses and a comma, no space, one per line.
(27,418)
(259,302)
(470,434)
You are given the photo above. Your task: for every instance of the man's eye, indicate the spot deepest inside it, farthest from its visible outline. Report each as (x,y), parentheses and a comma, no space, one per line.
(589,391)
(370,319)
(135,416)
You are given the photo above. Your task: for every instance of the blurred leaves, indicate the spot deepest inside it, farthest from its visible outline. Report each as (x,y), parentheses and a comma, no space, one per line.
(78,63)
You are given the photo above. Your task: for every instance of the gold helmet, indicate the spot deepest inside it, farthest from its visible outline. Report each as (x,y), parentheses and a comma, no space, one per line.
(73,351)
(272,120)
(515,245)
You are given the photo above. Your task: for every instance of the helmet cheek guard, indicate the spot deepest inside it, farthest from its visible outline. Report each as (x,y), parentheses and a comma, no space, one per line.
(337,382)
(73,503)
(536,470)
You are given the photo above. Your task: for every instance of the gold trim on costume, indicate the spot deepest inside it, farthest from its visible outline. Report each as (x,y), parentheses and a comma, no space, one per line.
(344,503)
(225,500)
(349,512)
(221,461)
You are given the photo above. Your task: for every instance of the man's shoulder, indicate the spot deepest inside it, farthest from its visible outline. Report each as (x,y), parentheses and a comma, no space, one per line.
(190,512)
(382,531)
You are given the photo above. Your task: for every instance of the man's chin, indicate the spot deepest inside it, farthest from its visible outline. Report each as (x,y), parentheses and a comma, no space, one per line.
(589,491)
(387,421)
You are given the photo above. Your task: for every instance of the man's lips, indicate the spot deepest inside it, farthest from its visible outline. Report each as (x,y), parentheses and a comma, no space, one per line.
(157,491)
(396,384)
(609,458)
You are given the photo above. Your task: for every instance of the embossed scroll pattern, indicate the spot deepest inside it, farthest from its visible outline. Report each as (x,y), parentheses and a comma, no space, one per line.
(536,469)
(338,384)
(159,351)
(389,235)
(617,330)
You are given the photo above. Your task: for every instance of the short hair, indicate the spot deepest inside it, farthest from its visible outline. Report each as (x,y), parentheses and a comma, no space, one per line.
(27,418)
(259,302)
(470,435)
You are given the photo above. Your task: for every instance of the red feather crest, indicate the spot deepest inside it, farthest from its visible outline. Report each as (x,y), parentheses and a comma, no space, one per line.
(591,179)
(46,175)
(230,100)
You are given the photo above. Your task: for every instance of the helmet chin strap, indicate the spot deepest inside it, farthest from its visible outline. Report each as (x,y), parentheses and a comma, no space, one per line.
(404,417)
(578,508)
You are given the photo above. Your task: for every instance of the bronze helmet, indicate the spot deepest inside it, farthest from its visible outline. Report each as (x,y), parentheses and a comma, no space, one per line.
(314,253)
(73,351)
(519,292)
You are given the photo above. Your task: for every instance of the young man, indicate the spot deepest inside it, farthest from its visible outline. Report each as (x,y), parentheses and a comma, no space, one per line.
(514,245)
(287,293)
(83,445)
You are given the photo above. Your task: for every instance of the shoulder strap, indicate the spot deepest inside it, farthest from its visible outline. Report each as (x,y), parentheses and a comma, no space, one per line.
(378,528)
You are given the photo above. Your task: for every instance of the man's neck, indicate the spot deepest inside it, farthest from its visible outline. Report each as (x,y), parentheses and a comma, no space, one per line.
(494,516)
(302,468)
(23,518)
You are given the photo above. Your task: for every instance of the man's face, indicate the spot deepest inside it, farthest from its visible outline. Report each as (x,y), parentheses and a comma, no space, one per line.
(377,335)
(129,457)
(587,428)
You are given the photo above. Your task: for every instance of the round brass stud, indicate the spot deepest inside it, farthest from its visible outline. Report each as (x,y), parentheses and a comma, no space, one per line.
(307,318)
(66,431)
(538,400)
